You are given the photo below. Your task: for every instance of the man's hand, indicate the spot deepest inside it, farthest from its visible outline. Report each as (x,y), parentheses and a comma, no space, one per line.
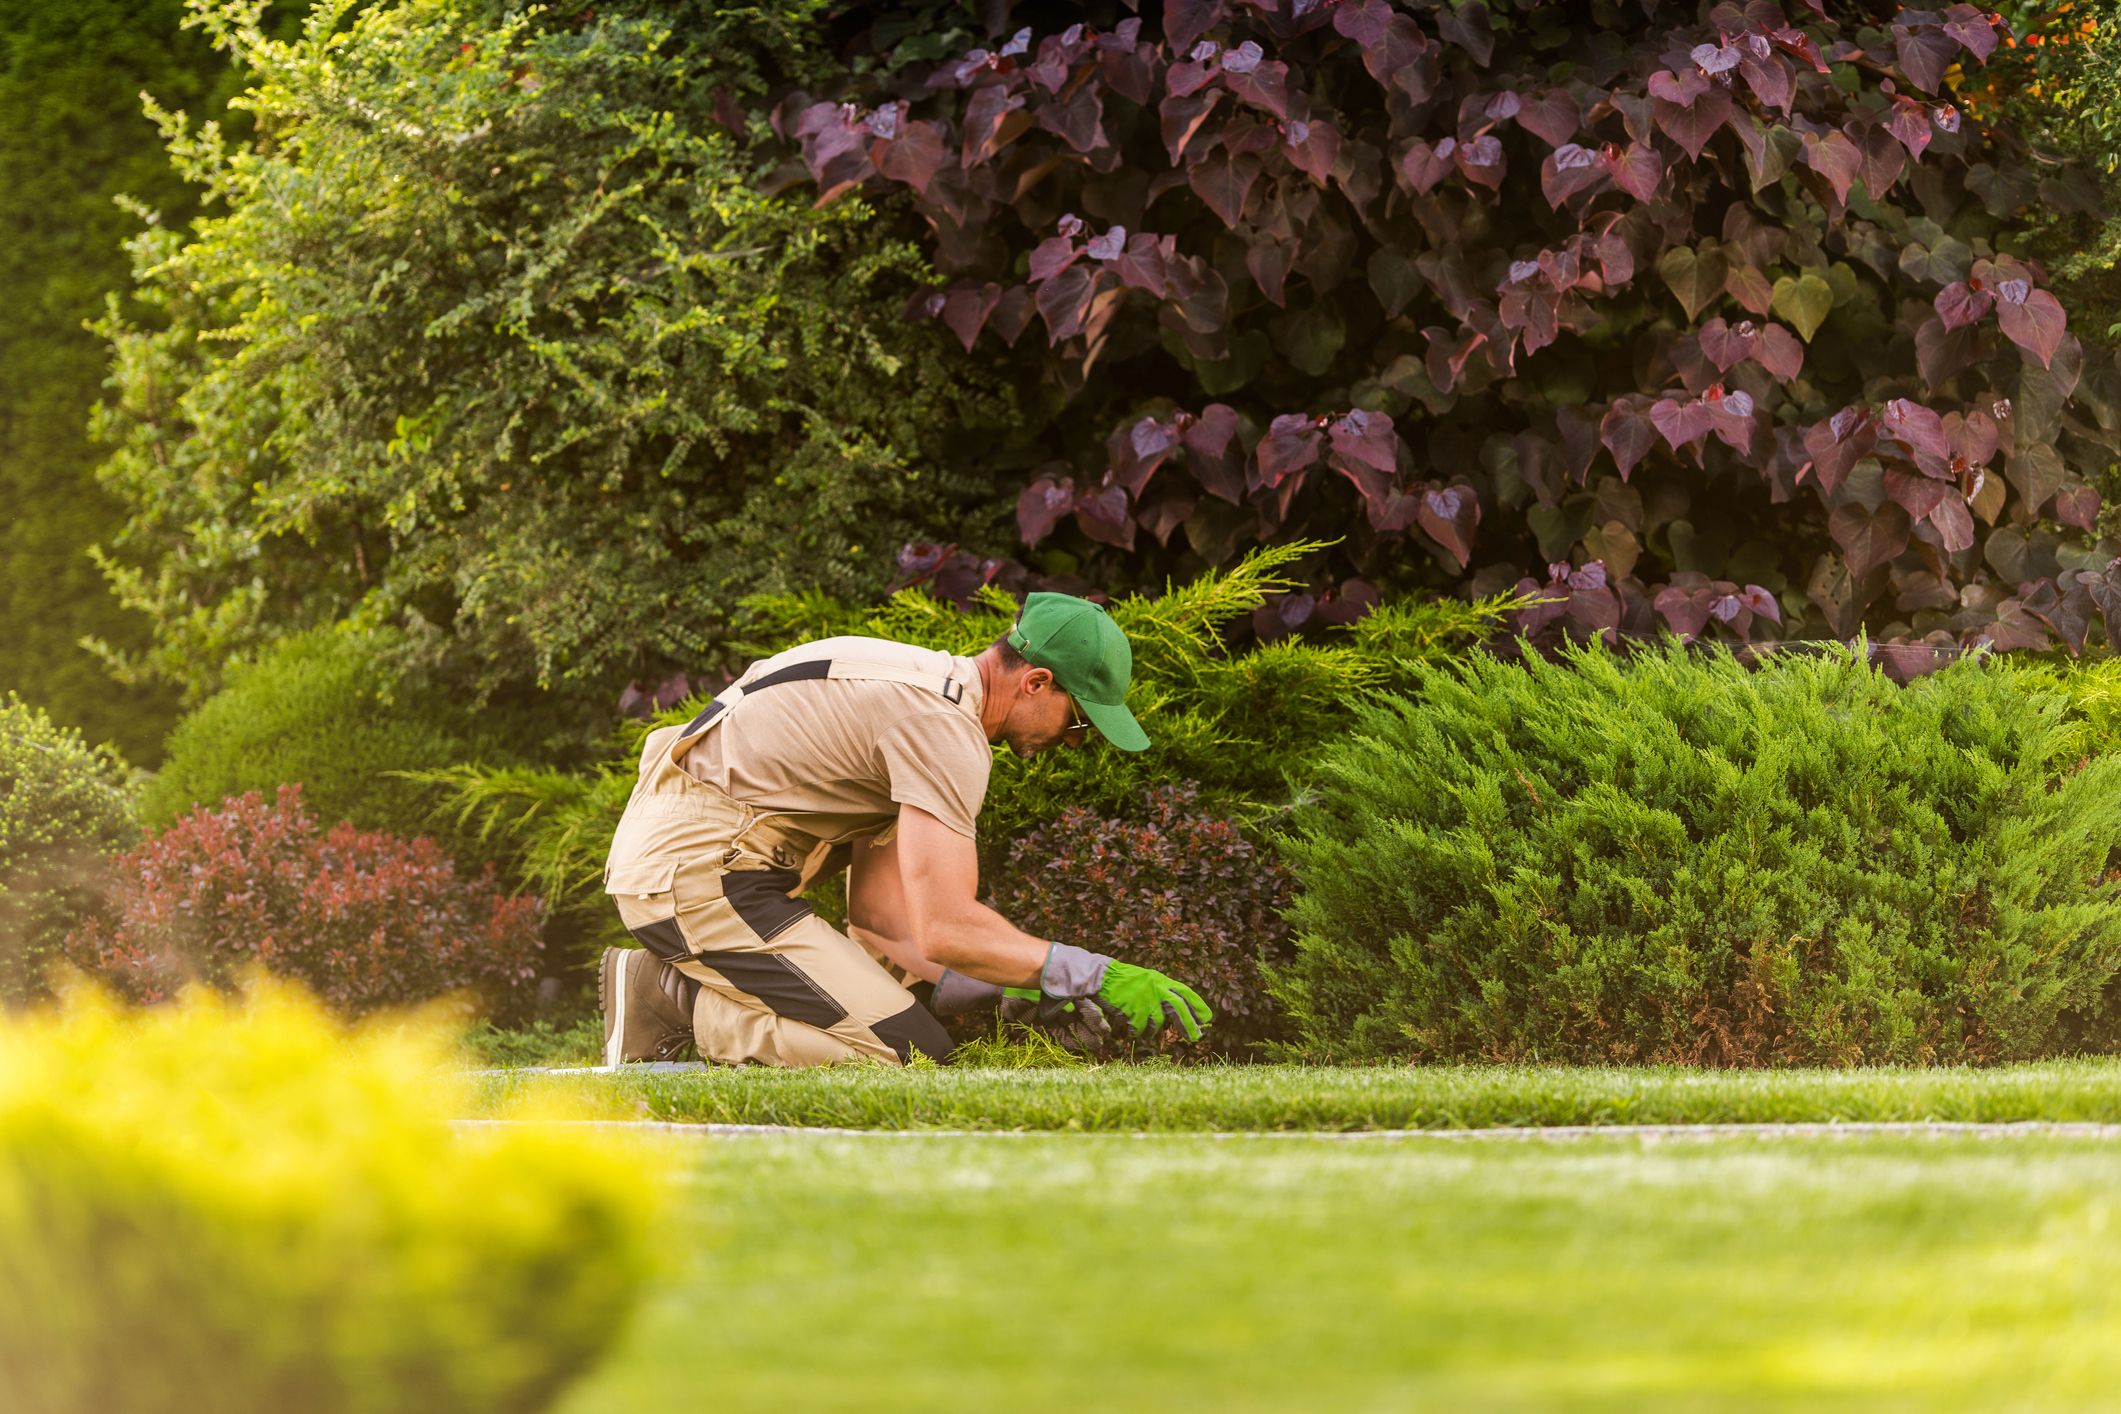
(1143,995)
(1079,1026)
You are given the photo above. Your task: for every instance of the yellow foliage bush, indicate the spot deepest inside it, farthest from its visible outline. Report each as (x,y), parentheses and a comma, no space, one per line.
(243,1205)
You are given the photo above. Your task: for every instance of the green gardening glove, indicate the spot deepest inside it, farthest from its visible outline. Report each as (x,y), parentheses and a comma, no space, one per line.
(1143,995)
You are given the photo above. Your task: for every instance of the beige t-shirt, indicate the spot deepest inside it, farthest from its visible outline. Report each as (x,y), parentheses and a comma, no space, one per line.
(842,753)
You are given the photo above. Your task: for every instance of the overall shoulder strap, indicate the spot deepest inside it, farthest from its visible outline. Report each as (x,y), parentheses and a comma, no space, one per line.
(949,686)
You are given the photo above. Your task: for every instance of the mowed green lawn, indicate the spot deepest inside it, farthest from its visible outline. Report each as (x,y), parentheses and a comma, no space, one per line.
(1090,1271)
(1272,1097)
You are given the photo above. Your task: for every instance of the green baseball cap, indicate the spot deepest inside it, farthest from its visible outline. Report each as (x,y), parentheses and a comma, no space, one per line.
(1088,656)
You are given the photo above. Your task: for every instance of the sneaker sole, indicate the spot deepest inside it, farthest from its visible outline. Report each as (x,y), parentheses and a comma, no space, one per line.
(611,986)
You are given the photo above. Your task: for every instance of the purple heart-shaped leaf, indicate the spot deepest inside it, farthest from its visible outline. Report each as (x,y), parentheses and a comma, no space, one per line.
(1628,434)
(1040,506)
(1715,58)
(2036,325)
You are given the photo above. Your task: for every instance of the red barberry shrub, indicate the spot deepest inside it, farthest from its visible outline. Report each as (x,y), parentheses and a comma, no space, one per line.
(1177,887)
(365,919)
(1708,318)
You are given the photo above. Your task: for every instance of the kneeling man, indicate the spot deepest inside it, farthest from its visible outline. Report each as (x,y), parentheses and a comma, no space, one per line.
(866,753)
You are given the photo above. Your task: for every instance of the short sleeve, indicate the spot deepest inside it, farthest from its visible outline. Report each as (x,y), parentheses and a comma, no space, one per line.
(939,762)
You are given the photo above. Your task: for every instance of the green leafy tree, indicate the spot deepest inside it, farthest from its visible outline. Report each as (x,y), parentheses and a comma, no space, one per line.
(504,329)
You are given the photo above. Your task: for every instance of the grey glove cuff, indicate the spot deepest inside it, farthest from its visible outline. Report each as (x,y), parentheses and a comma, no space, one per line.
(956,994)
(1072,972)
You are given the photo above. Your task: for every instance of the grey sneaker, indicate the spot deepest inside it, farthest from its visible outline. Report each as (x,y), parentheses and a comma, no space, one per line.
(647,1015)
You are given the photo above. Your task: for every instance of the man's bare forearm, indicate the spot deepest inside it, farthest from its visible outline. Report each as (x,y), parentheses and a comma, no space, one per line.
(903,952)
(982,944)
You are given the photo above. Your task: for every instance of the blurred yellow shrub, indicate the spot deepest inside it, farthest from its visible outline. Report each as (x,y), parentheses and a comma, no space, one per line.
(243,1205)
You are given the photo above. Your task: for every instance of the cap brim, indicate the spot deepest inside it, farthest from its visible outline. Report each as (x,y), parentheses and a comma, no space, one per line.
(1115,724)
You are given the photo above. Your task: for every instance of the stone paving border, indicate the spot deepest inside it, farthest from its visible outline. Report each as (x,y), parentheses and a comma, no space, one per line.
(630,1068)
(1648,1133)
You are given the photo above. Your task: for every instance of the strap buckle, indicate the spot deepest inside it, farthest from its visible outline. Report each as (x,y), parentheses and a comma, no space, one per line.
(953,691)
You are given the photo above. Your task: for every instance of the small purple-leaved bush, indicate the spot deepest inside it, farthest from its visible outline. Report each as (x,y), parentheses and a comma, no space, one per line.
(1176,887)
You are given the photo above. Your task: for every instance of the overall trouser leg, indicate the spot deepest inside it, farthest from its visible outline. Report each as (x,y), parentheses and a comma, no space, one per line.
(712,887)
(778,985)
(777,982)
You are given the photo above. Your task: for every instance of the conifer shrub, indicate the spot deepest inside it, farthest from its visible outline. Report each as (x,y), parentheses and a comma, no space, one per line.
(250,1208)
(1178,888)
(1668,858)
(63,805)
(2093,687)
(365,919)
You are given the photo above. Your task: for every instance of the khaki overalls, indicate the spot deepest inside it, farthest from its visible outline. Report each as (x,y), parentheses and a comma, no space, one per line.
(711,886)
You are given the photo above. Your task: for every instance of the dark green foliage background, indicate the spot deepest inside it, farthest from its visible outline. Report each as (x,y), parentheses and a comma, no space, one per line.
(1669,858)
(71,137)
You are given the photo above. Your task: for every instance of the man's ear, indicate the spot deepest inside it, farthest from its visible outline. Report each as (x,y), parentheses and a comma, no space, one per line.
(1035,680)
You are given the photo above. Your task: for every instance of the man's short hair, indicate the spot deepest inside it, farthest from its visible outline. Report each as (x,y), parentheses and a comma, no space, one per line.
(1011,658)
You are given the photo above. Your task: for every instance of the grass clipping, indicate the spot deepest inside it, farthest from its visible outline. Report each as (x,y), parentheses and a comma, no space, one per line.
(245,1201)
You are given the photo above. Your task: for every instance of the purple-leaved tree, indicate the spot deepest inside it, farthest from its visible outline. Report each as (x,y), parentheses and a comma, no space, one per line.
(1703,318)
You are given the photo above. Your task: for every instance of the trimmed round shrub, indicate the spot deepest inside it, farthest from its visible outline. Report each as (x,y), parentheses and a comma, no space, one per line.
(249,1208)
(1178,888)
(365,919)
(64,805)
(1669,858)
(320,710)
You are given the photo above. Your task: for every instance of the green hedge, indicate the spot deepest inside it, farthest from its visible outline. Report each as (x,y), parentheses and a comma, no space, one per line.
(207,1206)
(64,805)
(327,710)
(1668,857)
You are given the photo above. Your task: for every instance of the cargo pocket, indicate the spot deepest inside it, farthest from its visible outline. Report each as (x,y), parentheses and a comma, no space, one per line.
(642,879)
(647,906)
